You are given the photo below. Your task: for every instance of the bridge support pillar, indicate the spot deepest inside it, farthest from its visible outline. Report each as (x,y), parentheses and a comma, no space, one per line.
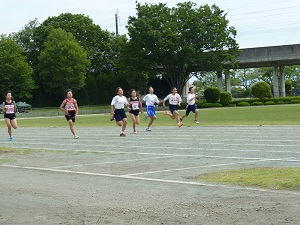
(282,82)
(227,81)
(275,82)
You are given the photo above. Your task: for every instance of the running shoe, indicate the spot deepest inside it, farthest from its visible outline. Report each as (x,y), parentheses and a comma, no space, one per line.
(10,138)
(196,121)
(180,124)
(166,113)
(134,132)
(122,135)
(76,137)
(148,129)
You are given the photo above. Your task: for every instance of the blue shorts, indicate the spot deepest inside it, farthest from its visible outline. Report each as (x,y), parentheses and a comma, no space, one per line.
(150,110)
(173,108)
(190,108)
(120,114)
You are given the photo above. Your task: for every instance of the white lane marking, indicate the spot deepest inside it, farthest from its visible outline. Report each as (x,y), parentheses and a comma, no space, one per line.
(196,167)
(121,161)
(153,179)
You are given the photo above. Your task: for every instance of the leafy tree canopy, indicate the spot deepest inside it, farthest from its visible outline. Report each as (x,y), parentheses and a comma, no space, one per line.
(63,63)
(15,72)
(180,41)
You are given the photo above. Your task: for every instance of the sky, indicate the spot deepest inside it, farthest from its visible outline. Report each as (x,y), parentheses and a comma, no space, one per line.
(258,23)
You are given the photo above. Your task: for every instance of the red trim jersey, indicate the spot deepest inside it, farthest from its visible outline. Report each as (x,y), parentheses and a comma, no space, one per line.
(70,105)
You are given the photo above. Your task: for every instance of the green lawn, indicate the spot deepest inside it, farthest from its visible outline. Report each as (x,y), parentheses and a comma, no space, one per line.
(271,178)
(259,115)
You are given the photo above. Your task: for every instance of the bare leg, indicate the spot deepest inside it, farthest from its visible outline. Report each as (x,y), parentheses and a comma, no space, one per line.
(71,123)
(8,124)
(124,124)
(133,121)
(151,121)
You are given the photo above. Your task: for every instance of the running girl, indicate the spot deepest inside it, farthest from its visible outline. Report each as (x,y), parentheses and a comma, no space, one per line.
(174,101)
(191,107)
(150,100)
(134,103)
(70,107)
(9,109)
(117,109)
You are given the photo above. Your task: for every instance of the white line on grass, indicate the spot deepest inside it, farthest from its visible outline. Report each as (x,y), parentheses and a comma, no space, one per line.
(153,180)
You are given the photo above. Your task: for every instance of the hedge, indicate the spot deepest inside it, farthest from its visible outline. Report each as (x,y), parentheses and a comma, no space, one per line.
(257,103)
(269,103)
(243,104)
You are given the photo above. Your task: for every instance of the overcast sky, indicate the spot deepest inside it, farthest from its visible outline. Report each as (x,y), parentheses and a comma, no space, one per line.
(259,23)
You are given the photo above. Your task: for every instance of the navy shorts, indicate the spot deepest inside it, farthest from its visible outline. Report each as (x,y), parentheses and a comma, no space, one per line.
(135,112)
(173,108)
(120,114)
(10,116)
(190,108)
(70,116)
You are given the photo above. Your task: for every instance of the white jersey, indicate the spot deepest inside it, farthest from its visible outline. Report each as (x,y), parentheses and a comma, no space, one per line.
(150,99)
(119,101)
(173,99)
(189,97)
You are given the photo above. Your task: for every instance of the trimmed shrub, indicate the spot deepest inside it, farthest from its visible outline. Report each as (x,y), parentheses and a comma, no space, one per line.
(182,105)
(243,104)
(211,105)
(280,102)
(225,98)
(269,103)
(256,103)
(295,101)
(261,90)
(212,95)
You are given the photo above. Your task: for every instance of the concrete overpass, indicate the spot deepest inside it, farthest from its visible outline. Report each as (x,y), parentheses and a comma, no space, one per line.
(273,56)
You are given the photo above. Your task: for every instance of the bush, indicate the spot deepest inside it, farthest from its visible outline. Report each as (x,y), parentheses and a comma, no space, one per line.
(182,105)
(225,98)
(243,104)
(280,102)
(261,90)
(295,101)
(257,103)
(212,95)
(211,105)
(269,103)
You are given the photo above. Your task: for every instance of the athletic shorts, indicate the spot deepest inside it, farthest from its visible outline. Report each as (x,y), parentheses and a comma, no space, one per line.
(150,110)
(173,108)
(135,112)
(10,116)
(190,108)
(70,116)
(120,114)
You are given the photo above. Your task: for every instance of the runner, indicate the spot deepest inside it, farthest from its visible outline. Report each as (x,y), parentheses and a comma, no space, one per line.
(9,109)
(117,109)
(150,100)
(191,106)
(174,101)
(70,107)
(134,103)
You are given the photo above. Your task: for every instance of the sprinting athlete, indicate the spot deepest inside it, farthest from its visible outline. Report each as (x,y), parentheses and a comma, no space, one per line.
(174,101)
(191,106)
(150,100)
(117,109)
(9,109)
(135,105)
(70,107)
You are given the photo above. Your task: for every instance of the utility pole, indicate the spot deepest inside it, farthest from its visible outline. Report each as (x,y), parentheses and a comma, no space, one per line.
(116,19)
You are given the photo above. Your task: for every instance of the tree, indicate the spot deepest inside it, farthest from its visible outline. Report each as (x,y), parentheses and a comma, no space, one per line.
(177,42)
(63,63)
(261,90)
(15,72)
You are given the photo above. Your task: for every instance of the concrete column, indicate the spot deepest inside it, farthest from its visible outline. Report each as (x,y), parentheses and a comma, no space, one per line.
(282,82)
(275,82)
(227,81)
(219,80)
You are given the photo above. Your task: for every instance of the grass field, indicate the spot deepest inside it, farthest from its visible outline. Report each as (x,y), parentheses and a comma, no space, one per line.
(260,115)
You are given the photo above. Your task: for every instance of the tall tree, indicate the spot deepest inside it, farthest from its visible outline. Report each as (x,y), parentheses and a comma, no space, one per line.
(177,42)
(15,72)
(62,63)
